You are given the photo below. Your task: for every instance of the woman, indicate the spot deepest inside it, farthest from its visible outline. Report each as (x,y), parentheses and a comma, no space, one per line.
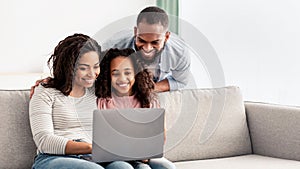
(60,111)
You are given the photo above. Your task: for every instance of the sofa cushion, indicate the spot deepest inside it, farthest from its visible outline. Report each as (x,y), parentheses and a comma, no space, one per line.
(17,149)
(205,123)
(240,162)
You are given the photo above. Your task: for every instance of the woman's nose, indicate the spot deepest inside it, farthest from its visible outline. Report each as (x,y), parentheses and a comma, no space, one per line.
(92,73)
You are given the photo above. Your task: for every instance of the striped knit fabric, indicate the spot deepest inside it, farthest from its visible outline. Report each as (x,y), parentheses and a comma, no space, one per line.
(56,118)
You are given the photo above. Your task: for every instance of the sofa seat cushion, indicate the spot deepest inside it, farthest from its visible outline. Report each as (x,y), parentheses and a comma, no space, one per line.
(205,123)
(240,162)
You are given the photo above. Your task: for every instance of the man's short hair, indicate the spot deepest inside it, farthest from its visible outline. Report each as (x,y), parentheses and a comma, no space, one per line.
(153,15)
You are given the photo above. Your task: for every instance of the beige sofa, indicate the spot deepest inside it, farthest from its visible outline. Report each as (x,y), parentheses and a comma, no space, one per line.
(206,128)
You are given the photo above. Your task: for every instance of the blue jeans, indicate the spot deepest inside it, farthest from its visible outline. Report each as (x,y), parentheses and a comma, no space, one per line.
(46,161)
(157,163)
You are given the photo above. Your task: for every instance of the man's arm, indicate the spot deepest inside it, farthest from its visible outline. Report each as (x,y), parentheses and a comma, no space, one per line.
(176,64)
(46,80)
(162,86)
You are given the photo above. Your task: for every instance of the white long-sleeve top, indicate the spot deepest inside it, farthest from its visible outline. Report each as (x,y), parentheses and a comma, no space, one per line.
(56,118)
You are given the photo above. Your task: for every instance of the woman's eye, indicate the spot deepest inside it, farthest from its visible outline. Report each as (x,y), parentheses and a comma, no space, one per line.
(127,73)
(82,68)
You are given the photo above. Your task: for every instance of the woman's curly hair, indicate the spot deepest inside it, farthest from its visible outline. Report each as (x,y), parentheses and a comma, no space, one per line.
(64,60)
(143,86)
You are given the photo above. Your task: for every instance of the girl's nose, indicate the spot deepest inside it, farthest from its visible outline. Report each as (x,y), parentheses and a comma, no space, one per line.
(122,77)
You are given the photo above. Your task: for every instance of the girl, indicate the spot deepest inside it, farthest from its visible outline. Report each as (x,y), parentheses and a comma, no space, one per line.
(60,111)
(124,83)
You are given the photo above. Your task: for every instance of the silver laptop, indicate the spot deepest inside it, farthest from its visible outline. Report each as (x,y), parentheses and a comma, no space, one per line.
(128,134)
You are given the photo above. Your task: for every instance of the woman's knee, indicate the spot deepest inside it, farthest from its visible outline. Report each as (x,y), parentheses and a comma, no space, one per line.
(141,165)
(161,163)
(65,162)
(119,165)
(76,163)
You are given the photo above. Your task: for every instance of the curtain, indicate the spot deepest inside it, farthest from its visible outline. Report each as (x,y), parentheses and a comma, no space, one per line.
(171,7)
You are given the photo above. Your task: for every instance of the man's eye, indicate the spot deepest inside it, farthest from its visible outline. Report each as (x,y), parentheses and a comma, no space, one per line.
(154,43)
(141,41)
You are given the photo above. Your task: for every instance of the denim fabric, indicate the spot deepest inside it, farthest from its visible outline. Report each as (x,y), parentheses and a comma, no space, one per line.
(43,161)
(161,163)
(157,163)
(46,161)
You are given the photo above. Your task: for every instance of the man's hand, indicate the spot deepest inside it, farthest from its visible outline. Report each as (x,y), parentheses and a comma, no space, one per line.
(162,86)
(36,84)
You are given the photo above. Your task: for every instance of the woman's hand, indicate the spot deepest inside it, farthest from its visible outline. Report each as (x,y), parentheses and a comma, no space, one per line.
(74,147)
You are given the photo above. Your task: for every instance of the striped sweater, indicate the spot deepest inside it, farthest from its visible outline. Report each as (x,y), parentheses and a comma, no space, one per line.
(56,118)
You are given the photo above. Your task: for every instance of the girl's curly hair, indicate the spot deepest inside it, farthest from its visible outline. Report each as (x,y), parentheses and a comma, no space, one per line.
(64,60)
(143,85)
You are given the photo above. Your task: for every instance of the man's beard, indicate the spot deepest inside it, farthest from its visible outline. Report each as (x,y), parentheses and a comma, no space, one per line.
(148,61)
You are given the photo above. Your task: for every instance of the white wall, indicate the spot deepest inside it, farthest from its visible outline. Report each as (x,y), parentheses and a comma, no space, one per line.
(257,42)
(31,29)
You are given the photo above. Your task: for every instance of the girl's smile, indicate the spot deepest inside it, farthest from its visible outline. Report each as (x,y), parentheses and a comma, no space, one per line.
(122,75)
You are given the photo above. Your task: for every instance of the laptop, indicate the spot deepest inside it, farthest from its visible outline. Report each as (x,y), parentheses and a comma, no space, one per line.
(128,134)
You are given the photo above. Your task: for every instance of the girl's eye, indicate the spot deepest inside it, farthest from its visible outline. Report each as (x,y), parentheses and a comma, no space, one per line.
(96,67)
(115,74)
(82,68)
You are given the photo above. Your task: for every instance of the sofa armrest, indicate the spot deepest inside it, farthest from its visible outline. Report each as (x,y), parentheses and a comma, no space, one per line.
(274,130)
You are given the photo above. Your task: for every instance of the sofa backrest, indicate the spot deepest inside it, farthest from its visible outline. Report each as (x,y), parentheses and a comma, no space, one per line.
(17,147)
(274,130)
(205,123)
(201,123)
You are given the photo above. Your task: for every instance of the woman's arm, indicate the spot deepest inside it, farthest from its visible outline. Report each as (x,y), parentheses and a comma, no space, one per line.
(42,126)
(41,122)
(74,147)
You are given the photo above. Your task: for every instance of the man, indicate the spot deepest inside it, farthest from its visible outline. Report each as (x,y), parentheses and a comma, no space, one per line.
(165,55)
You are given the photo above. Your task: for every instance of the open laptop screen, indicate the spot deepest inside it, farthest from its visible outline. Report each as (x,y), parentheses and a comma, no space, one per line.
(128,134)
